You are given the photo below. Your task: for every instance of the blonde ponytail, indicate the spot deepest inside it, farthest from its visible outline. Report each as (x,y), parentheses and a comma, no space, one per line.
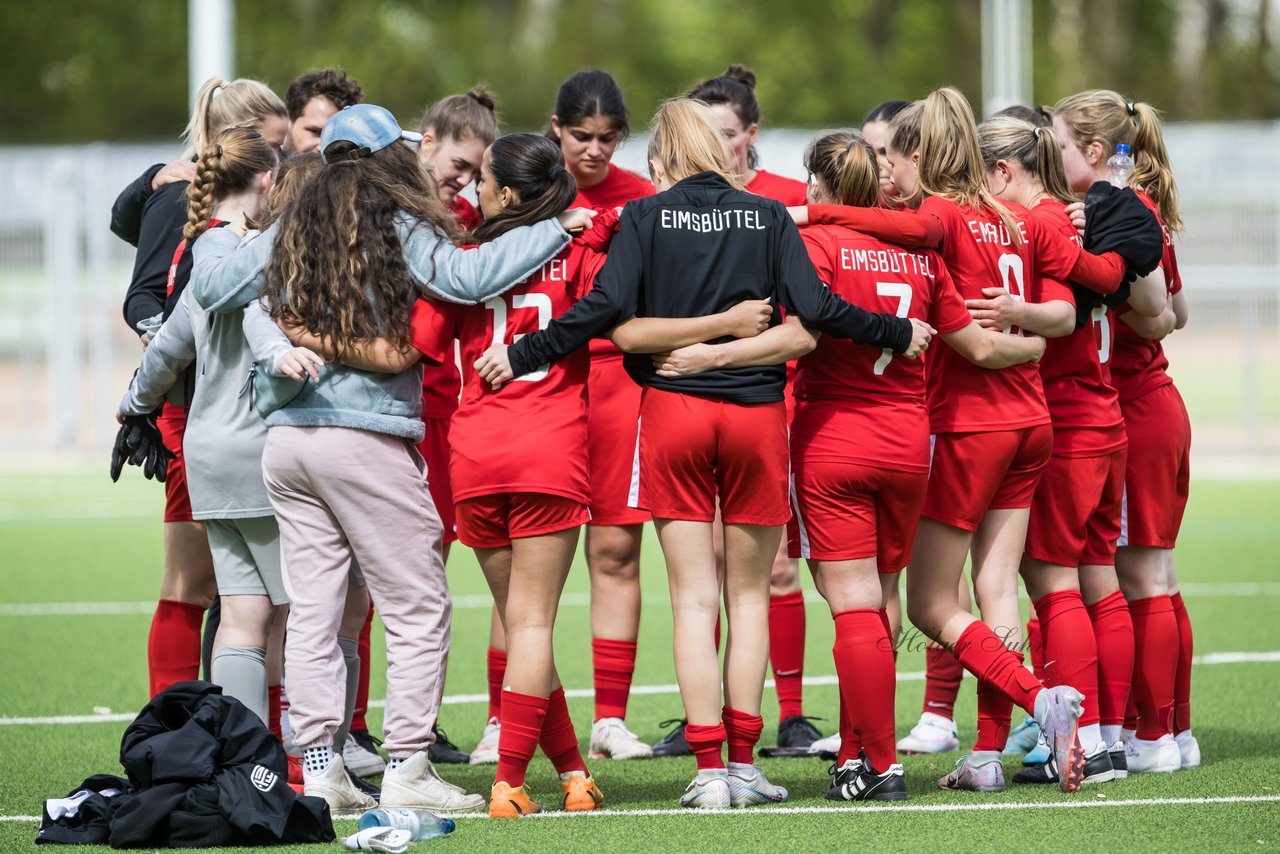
(847,166)
(221,104)
(1151,171)
(686,140)
(227,166)
(1033,148)
(950,158)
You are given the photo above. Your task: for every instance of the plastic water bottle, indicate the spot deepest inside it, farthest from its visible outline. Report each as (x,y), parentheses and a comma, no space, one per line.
(420,823)
(1120,166)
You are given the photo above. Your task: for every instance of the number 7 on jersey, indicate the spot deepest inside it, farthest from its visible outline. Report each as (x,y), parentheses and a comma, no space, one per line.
(903,293)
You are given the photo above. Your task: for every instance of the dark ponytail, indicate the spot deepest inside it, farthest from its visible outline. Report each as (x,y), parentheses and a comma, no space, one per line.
(533,167)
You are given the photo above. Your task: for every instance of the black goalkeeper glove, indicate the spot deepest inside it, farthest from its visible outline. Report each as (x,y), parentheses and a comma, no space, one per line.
(138,443)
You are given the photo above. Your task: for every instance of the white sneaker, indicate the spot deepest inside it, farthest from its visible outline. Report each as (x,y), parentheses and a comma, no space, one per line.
(1126,735)
(830,744)
(360,759)
(414,784)
(1153,757)
(486,752)
(708,794)
(934,734)
(610,739)
(1188,748)
(333,784)
(749,787)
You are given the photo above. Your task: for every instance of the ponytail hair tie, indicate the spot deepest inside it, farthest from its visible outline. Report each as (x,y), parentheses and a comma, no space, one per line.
(852,143)
(1129,106)
(217,149)
(555,171)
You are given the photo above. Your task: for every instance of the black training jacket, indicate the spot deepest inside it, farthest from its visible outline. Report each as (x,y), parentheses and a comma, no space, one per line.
(156,228)
(697,249)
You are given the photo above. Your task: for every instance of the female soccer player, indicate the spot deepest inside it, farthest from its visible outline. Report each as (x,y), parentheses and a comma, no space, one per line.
(339,463)
(151,214)
(1090,125)
(225,436)
(589,123)
(1075,512)
(697,247)
(875,130)
(731,98)
(860,448)
(991,436)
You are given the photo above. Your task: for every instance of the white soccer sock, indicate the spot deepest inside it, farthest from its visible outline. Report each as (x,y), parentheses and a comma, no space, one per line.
(316,759)
(706,775)
(1111,733)
(742,769)
(1090,738)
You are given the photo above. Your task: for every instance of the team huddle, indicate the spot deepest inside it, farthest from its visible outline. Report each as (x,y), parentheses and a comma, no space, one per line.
(945,347)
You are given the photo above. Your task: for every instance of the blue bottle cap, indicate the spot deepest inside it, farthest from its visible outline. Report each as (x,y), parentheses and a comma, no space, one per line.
(447,825)
(1122,149)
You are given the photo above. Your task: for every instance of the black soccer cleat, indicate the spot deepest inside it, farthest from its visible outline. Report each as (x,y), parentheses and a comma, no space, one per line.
(795,735)
(445,751)
(1097,769)
(858,780)
(360,784)
(1119,763)
(674,743)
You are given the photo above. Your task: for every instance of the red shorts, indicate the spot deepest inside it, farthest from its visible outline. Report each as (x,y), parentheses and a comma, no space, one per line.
(177,501)
(850,511)
(971,473)
(693,449)
(1158,473)
(493,521)
(613,413)
(434,448)
(1075,514)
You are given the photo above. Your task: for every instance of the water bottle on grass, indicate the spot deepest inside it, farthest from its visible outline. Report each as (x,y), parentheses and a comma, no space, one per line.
(420,823)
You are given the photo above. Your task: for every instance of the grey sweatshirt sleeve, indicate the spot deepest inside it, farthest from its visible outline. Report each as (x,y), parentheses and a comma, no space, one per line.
(171,350)
(470,276)
(226,272)
(266,340)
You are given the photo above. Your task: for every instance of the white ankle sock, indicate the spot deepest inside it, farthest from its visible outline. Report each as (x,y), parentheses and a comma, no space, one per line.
(742,769)
(1090,737)
(706,775)
(316,759)
(1111,733)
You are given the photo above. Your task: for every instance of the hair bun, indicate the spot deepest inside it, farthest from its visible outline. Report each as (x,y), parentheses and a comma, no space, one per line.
(742,74)
(483,97)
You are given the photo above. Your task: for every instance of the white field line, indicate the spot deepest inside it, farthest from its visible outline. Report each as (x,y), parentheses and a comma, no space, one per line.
(868,808)
(1244,589)
(1210,659)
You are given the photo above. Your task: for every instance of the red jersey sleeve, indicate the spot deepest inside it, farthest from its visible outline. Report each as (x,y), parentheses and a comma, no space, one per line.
(432,328)
(1101,274)
(907,228)
(947,311)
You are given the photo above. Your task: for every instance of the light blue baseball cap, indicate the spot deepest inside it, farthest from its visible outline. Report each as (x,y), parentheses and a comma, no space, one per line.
(370,127)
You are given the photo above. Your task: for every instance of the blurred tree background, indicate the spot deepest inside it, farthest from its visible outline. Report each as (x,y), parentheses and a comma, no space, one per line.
(80,70)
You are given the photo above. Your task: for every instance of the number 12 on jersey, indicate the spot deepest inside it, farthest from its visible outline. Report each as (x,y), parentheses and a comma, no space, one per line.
(498,305)
(903,293)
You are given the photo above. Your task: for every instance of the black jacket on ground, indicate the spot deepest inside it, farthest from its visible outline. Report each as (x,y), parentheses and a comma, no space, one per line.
(698,249)
(202,771)
(153,222)
(1117,221)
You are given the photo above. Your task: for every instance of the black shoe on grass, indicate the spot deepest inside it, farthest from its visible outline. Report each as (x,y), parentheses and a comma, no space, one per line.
(674,743)
(445,751)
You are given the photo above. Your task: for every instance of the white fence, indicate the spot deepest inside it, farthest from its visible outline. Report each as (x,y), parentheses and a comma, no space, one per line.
(66,354)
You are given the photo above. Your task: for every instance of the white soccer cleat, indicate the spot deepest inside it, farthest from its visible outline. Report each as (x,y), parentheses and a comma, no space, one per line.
(363,760)
(933,734)
(707,794)
(1153,757)
(749,787)
(610,739)
(414,784)
(486,752)
(829,746)
(333,784)
(1188,749)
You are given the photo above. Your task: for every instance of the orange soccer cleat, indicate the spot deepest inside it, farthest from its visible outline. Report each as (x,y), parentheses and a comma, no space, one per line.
(508,802)
(581,793)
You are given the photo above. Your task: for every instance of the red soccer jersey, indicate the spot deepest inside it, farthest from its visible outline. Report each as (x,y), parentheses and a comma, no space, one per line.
(441,384)
(789,191)
(619,187)
(1139,364)
(530,435)
(980,253)
(465,212)
(859,403)
(1077,385)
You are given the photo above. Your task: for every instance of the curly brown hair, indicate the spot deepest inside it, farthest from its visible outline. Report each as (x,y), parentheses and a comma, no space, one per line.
(338,266)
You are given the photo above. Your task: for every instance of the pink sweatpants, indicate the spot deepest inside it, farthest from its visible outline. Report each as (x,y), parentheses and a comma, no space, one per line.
(341,493)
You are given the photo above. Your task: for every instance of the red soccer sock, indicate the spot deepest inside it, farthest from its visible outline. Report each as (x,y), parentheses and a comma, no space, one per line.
(742,731)
(273,711)
(1155,634)
(522,718)
(864,665)
(705,742)
(888,632)
(173,646)
(1113,632)
(362,687)
(558,740)
(1070,651)
(985,656)
(786,651)
(497,666)
(613,665)
(1035,645)
(850,742)
(942,675)
(1182,677)
(994,712)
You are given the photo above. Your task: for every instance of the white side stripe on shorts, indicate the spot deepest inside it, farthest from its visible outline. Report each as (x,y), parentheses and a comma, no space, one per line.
(795,511)
(1124,518)
(633,493)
